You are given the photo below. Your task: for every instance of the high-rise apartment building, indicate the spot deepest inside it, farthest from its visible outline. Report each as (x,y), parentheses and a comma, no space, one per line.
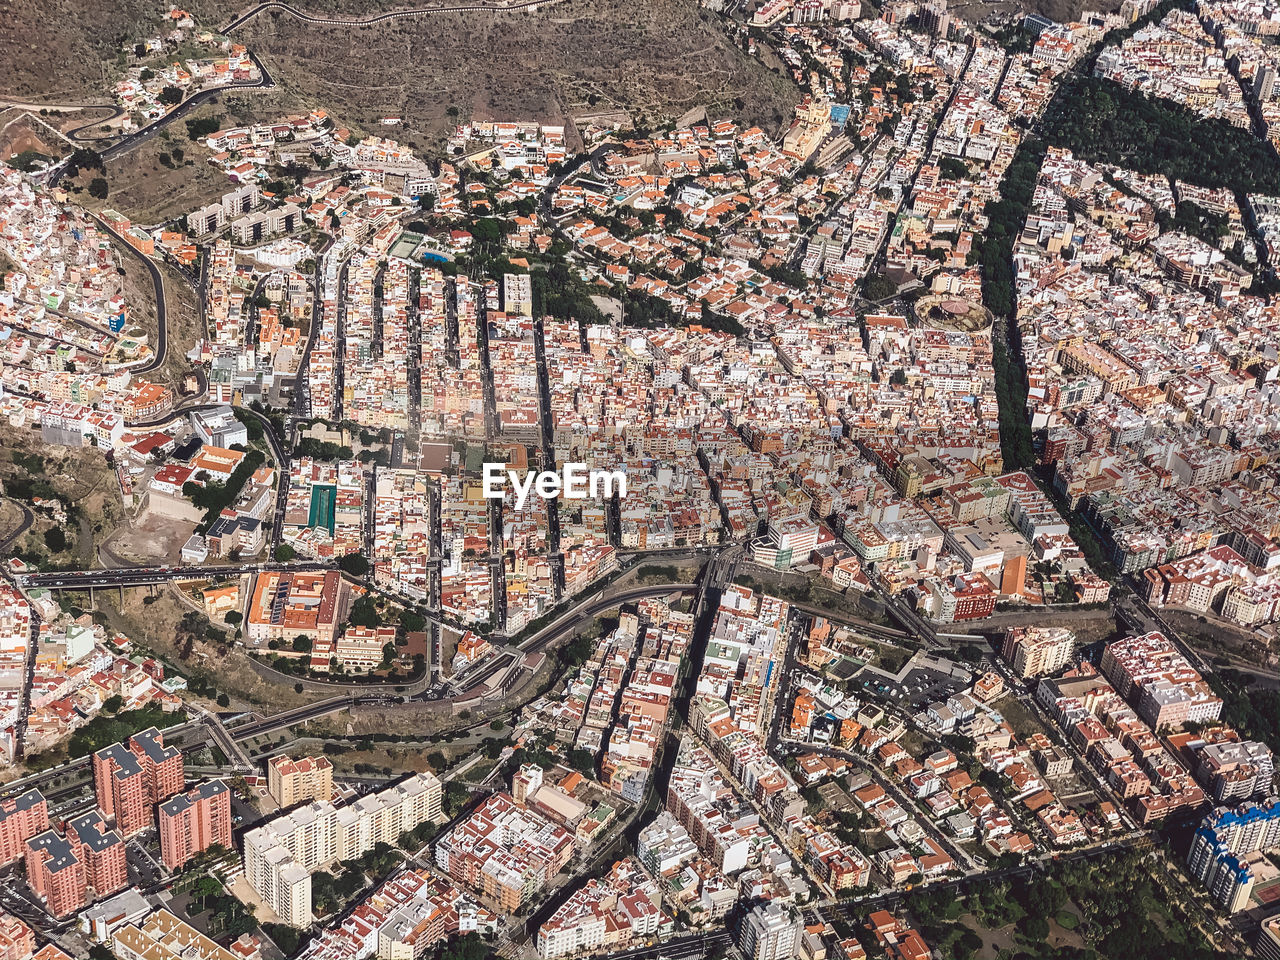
(1037,651)
(130,778)
(305,780)
(56,874)
(21,818)
(194,821)
(102,853)
(769,932)
(1221,848)
(1268,945)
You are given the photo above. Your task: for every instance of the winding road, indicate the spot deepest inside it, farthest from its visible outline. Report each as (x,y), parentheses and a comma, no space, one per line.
(143,134)
(157,280)
(530,6)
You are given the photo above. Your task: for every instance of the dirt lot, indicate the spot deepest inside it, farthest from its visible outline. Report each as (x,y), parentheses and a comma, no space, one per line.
(549,66)
(21,132)
(153,539)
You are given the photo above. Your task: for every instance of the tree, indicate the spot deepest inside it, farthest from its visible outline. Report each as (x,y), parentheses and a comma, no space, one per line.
(284,553)
(297,688)
(364,613)
(470,946)
(1035,927)
(170,96)
(302,644)
(582,760)
(98,188)
(224,700)
(203,126)
(233,617)
(113,703)
(354,564)
(55,539)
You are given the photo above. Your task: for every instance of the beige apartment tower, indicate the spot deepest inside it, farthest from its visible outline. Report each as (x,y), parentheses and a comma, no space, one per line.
(306,780)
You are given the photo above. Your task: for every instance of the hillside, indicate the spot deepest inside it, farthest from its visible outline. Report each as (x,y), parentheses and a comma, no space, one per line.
(657,59)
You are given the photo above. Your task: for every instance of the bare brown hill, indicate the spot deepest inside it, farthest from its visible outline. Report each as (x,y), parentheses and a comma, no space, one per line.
(656,59)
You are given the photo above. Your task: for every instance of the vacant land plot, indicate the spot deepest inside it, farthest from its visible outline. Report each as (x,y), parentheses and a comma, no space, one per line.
(160,179)
(152,539)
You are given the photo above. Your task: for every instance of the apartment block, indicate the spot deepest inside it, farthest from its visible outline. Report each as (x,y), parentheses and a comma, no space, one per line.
(1226,845)
(611,915)
(16,939)
(305,780)
(1163,687)
(506,851)
(102,853)
(279,856)
(162,936)
(769,932)
(194,821)
(1037,651)
(130,778)
(21,818)
(56,874)
(1235,770)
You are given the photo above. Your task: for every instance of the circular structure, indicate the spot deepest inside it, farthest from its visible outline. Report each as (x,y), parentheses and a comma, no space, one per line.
(949,312)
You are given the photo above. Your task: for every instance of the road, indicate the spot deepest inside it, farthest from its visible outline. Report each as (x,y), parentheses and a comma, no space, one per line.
(143,134)
(157,281)
(530,6)
(146,576)
(28,518)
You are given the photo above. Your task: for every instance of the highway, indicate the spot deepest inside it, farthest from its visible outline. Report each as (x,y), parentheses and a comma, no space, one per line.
(611,597)
(145,576)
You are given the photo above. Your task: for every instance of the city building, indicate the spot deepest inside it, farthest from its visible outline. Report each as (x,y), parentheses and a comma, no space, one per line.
(16,939)
(162,936)
(504,850)
(285,606)
(1226,843)
(130,778)
(1037,651)
(1163,687)
(21,818)
(280,855)
(1267,946)
(55,874)
(194,821)
(305,780)
(102,853)
(769,931)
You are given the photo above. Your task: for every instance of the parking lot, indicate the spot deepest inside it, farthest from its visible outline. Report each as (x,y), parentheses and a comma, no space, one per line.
(918,687)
